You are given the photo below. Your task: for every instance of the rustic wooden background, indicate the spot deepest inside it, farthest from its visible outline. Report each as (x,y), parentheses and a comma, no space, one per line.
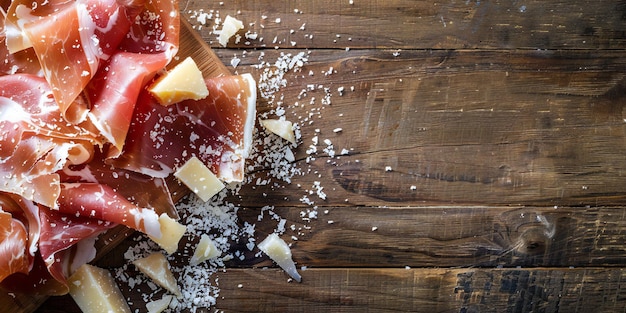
(507,117)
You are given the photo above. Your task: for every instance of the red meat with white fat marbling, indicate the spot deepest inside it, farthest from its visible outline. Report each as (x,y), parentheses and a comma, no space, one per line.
(216,129)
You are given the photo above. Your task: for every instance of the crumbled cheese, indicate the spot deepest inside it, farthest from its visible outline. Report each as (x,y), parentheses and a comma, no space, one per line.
(183,82)
(199,178)
(230,27)
(94,290)
(157,268)
(278,250)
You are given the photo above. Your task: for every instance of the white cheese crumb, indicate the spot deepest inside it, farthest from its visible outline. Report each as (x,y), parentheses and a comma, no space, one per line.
(235,61)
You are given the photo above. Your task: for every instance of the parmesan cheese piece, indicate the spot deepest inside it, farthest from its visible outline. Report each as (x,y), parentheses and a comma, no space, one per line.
(199,178)
(158,306)
(94,290)
(171,233)
(205,250)
(183,82)
(278,250)
(156,267)
(281,128)
(230,28)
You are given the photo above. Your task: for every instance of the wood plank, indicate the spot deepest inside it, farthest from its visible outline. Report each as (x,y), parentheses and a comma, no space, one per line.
(444,236)
(484,127)
(507,117)
(567,290)
(408,24)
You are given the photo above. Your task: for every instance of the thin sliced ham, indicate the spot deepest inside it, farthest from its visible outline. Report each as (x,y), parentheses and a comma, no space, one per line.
(101,202)
(83,145)
(113,93)
(67,241)
(35,141)
(19,234)
(142,190)
(70,39)
(13,256)
(217,130)
(150,45)
(24,61)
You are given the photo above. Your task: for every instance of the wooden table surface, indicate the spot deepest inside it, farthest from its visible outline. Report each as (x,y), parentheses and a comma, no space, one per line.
(487,156)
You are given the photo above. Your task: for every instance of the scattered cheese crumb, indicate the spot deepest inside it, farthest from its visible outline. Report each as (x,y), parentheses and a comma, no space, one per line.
(230,27)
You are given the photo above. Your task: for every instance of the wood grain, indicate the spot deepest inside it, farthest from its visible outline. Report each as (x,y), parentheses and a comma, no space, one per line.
(428,290)
(409,24)
(523,128)
(568,290)
(486,151)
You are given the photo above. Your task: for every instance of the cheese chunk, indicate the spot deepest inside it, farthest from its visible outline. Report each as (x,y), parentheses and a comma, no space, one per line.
(205,250)
(156,267)
(94,290)
(171,233)
(230,28)
(278,250)
(281,128)
(158,306)
(199,178)
(183,82)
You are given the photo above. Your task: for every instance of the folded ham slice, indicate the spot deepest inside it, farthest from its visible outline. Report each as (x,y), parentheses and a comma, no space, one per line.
(66,103)
(70,39)
(217,130)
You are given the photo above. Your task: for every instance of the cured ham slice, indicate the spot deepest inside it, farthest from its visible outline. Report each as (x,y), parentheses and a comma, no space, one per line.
(101,202)
(38,280)
(13,240)
(150,45)
(141,190)
(67,241)
(217,130)
(113,92)
(156,30)
(35,141)
(20,62)
(19,236)
(70,39)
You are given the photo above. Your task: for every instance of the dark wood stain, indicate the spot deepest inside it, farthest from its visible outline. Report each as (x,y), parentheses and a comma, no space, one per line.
(507,117)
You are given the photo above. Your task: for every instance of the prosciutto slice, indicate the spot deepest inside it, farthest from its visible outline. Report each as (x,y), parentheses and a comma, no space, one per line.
(28,232)
(19,234)
(101,202)
(35,141)
(112,110)
(13,240)
(150,45)
(20,62)
(142,190)
(217,130)
(67,241)
(70,39)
